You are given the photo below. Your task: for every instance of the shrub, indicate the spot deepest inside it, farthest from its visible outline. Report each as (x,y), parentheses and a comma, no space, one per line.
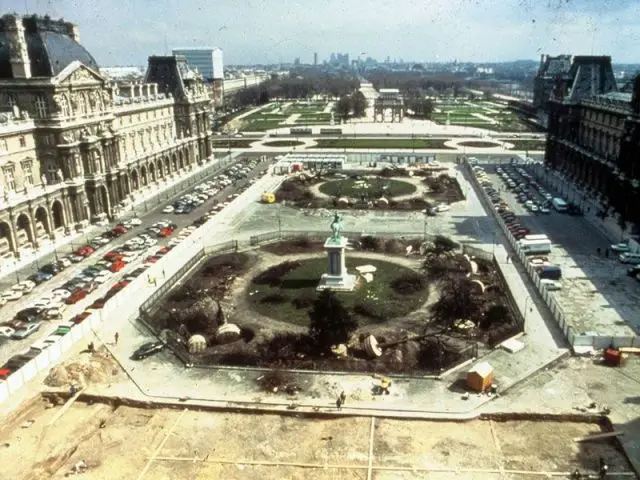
(367,309)
(273,275)
(303,302)
(274,299)
(240,359)
(496,316)
(409,283)
(394,247)
(330,323)
(371,243)
(284,346)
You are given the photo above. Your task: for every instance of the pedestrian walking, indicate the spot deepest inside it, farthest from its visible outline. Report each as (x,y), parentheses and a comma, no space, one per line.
(343,397)
(606,253)
(116,337)
(598,250)
(508,258)
(603,469)
(339,403)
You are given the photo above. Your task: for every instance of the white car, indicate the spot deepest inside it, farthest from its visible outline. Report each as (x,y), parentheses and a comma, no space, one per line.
(61,293)
(6,332)
(11,295)
(168,209)
(65,262)
(443,208)
(102,276)
(136,222)
(25,287)
(551,285)
(150,242)
(42,303)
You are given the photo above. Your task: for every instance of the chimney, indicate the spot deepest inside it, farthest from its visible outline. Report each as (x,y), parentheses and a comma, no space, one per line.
(18,55)
(73,31)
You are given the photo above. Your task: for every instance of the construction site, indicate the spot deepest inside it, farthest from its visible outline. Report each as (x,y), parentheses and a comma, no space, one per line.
(97,439)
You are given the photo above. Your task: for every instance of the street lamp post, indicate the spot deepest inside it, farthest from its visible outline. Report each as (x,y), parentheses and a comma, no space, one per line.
(526,309)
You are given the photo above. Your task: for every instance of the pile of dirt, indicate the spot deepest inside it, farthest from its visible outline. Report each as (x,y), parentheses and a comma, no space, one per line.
(99,367)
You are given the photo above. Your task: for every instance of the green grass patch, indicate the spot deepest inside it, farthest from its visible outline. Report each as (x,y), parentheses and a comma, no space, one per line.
(283,143)
(261,125)
(526,144)
(286,292)
(479,144)
(376,188)
(232,143)
(381,143)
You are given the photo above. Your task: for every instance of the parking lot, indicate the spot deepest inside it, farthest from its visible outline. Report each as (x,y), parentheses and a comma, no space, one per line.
(180,443)
(103,267)
(596,293)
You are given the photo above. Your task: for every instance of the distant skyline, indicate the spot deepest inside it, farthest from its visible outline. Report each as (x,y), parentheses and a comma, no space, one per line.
(269,31)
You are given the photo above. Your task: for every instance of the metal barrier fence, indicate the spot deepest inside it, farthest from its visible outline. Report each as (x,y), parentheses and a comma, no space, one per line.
(574,339)
(321,235)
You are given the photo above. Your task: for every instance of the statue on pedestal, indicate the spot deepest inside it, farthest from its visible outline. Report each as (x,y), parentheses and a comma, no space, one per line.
(336,226)
(59,175)
(43,179)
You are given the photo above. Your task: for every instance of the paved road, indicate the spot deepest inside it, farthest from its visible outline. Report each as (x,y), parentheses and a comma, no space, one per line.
(12,347)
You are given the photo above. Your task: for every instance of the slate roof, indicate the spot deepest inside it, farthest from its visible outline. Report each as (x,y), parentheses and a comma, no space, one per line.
(49,49)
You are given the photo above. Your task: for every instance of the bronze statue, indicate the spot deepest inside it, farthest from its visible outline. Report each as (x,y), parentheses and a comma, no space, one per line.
(336,226)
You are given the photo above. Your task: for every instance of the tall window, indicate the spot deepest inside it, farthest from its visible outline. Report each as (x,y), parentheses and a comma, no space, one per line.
(23,142)
(41,107)
(11,102)
(9,178)
(27,170)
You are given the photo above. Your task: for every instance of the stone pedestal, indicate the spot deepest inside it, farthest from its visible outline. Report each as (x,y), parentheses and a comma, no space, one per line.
(337,278)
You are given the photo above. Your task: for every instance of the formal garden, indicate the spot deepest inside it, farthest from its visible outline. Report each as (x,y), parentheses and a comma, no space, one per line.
(426,307)
(389,188)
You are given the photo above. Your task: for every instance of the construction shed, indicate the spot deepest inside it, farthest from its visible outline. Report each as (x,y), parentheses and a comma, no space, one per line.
(480,377)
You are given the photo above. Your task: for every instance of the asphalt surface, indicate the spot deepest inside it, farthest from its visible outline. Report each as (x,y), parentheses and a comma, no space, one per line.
(12,347)
(574,233)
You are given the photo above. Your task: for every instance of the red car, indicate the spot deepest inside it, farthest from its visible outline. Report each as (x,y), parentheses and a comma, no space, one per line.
(152,259)
(79,318)
(113,256)
(4,373)
(120,229)
(165,232)
(84,251)
(98,304)
(76,296)
(119,285)
(117,266)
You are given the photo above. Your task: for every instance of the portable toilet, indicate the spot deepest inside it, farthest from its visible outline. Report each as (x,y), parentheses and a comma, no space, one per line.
(480,377)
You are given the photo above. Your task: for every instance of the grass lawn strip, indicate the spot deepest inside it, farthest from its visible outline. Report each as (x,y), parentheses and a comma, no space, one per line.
(348,187)
(436,144)
(301,282)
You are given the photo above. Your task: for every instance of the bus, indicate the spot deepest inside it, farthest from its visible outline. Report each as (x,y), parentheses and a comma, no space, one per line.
(535,246)
(559,204)
(536,237)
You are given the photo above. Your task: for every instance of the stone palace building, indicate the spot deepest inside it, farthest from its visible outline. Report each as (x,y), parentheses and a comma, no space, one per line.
(594,135)
(76,149)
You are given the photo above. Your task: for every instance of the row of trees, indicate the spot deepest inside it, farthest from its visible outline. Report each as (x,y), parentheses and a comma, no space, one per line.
(354,104)
(294,86)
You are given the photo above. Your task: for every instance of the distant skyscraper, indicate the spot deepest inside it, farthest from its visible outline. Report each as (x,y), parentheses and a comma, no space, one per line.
(208,60)
(315,59)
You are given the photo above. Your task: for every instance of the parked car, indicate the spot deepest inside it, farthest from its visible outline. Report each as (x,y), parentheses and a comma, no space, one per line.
(29,314)
(11,295)
(76,296)
(26,331)
(627,257)
(79,318)
(51,268)
(620,247)
(147,349)
(6,332)
(551,285)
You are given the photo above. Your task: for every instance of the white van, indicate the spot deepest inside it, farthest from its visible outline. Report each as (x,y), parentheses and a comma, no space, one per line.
(627,257)
(559,204)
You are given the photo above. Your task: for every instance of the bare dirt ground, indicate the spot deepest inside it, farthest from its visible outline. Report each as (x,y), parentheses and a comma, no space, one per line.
(139,443)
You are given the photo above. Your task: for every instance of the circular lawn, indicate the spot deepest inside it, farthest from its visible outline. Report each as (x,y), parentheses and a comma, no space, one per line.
(369,187)
(283,143)
(286,291)
(479,144)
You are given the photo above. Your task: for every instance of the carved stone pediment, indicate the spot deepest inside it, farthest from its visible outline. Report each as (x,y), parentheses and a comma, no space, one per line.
(81,75)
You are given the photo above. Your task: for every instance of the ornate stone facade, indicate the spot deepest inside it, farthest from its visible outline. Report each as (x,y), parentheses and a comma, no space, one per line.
(76,149)
(595,138)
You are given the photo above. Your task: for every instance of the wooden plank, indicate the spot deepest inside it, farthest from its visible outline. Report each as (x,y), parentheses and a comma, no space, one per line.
(630,349)
(598,436)
(65,407)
